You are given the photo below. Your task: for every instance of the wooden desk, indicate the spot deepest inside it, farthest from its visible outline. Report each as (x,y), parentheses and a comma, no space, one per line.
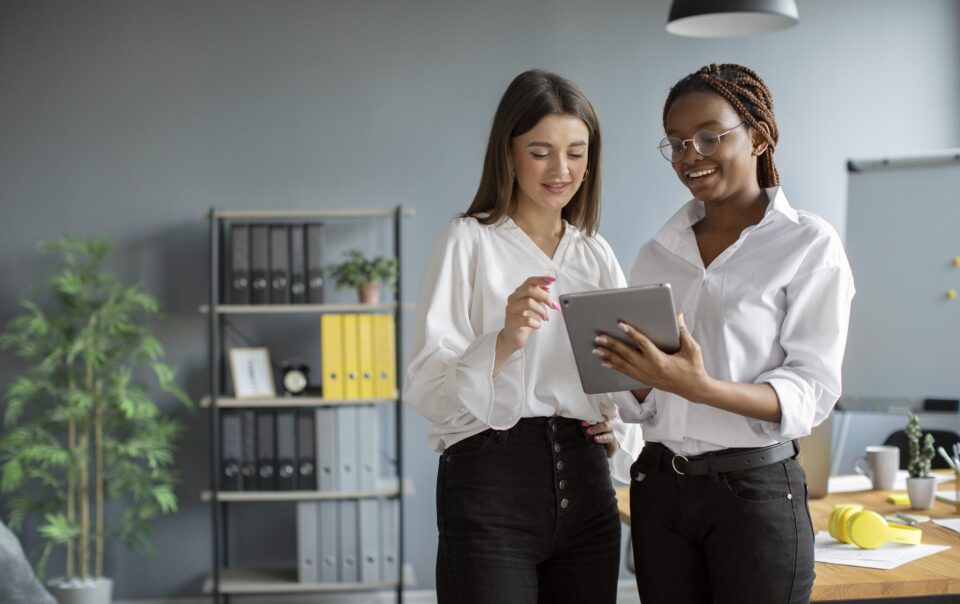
(933,575)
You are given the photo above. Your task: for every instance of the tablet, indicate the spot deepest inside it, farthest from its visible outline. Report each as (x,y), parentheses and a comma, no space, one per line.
(649,308)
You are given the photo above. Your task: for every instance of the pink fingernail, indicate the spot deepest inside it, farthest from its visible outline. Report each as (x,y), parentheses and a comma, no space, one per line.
(545,288)
(622,326)
(589,430)
(584,422)
(555,306)
(551,279)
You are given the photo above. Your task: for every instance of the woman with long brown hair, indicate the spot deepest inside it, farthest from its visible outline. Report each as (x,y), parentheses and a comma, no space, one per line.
(525,507)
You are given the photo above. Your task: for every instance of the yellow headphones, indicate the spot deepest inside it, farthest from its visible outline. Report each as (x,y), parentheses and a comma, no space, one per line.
(850,523)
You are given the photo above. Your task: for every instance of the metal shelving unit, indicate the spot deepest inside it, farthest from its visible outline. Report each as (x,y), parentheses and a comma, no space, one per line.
(225,581)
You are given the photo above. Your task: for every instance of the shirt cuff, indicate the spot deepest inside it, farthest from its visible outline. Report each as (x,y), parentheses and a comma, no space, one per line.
(497,401)
(796,407)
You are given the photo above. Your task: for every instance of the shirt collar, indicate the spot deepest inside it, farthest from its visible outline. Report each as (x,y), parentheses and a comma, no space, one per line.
(692,212)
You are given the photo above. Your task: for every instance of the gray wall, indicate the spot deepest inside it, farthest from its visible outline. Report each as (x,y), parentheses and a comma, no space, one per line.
(128,118)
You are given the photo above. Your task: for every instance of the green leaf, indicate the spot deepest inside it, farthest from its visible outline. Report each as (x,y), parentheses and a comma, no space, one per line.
(12,476)
(165,499)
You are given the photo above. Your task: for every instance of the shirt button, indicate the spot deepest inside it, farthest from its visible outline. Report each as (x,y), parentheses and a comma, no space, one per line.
(560,465)
(563,484)
(564,503)
(556,447)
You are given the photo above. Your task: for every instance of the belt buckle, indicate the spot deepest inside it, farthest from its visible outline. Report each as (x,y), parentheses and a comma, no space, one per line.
(673,463)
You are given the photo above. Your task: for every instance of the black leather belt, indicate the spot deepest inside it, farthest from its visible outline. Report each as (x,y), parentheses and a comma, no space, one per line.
(728,462)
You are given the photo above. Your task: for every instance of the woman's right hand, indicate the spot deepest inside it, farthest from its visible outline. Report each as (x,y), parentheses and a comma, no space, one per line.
(527,307)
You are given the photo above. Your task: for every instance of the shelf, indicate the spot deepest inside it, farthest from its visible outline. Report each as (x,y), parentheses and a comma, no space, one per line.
(388,489)
(285,214)
(276,309)
(293,401)
(248,581)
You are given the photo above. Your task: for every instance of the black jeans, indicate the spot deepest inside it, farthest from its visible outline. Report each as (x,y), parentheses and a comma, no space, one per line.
(738,537)
(527,515)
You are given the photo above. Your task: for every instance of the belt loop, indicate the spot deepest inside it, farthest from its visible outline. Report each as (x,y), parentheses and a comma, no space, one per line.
(656,452)
(712,467)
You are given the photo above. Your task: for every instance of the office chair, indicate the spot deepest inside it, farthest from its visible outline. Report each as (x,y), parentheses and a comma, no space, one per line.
(941,438)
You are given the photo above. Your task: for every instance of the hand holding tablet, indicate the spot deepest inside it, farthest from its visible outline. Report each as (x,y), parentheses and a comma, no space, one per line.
(649,309)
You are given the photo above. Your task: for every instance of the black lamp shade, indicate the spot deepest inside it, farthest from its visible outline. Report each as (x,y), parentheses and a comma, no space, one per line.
(722,18)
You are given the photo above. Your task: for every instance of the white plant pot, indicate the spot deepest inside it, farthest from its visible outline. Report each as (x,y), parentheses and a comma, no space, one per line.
(922,492)
(80,591)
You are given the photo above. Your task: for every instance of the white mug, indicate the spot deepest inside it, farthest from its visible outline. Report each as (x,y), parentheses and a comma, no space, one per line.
(882,463)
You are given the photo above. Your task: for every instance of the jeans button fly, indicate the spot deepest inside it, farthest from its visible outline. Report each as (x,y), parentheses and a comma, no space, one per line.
(563,484)
(564,503)
(560,465)
(556,447)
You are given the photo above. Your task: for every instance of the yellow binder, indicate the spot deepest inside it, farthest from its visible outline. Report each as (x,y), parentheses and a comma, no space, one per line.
(365,354)
(331,351)
(384,355)
(351,358)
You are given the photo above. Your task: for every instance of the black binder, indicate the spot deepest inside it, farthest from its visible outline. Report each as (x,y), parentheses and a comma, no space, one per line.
(266,451)
(306,450)
(231,452)
(259,264)
(248,444)
(238,289)
(279,264)
(286,449)
(315,280)
(298,276)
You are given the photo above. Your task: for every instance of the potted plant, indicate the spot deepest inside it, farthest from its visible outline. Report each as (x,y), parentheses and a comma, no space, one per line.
(365,274)
(921,487)
(81,428)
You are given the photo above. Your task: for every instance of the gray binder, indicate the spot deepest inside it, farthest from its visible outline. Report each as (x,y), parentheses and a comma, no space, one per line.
(326,449)
(370,541)
(390,539)
(349,546)
(368,444)
(347,480)
(326,444)
(329,539)
(347,450)
(308,542)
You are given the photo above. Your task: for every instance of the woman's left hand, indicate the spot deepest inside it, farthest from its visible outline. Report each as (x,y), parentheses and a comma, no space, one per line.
(681,373)
(602,433)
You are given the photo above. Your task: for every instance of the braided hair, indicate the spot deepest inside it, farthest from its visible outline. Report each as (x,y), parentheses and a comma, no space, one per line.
(749,96)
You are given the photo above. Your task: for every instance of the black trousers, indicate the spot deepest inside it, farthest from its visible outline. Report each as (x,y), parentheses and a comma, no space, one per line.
(527,515)
(738,537)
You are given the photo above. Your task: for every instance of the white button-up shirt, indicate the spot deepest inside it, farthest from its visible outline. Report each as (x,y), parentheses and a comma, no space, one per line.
(773,308)
(471,271)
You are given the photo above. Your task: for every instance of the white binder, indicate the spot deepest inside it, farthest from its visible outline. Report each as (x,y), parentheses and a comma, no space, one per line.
(307,542)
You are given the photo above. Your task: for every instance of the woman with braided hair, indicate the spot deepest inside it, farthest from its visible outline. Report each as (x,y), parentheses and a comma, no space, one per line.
(718,499)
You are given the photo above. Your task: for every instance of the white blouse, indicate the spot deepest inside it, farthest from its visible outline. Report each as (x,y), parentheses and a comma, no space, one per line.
(773,308)
(471,271)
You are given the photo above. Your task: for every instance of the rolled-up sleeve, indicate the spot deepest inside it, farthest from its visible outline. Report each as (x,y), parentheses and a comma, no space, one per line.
(813,336)
(452,367)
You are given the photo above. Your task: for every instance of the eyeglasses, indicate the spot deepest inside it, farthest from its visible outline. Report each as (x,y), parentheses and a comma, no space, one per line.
(705,142)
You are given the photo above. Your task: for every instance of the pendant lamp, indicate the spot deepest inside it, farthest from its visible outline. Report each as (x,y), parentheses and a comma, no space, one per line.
(723,18)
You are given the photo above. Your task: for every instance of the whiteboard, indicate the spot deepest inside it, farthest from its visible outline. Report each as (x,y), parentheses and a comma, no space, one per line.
(903,232)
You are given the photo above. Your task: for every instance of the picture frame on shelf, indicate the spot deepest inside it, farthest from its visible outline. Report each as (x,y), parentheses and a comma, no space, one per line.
(252,373)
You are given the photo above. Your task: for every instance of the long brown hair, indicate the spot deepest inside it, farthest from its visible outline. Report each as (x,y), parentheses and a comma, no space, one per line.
(529,97)
(749,96)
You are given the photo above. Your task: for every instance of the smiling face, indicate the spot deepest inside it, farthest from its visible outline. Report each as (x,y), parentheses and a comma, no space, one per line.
(550,161)
(730,172)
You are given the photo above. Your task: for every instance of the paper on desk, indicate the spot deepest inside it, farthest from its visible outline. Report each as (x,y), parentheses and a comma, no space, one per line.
(850,483)
(947,496)
(889,555)
(950,523)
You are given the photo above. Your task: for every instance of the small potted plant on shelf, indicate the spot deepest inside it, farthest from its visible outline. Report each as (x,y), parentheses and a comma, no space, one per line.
(365,274)
(81,426)
(921,487)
